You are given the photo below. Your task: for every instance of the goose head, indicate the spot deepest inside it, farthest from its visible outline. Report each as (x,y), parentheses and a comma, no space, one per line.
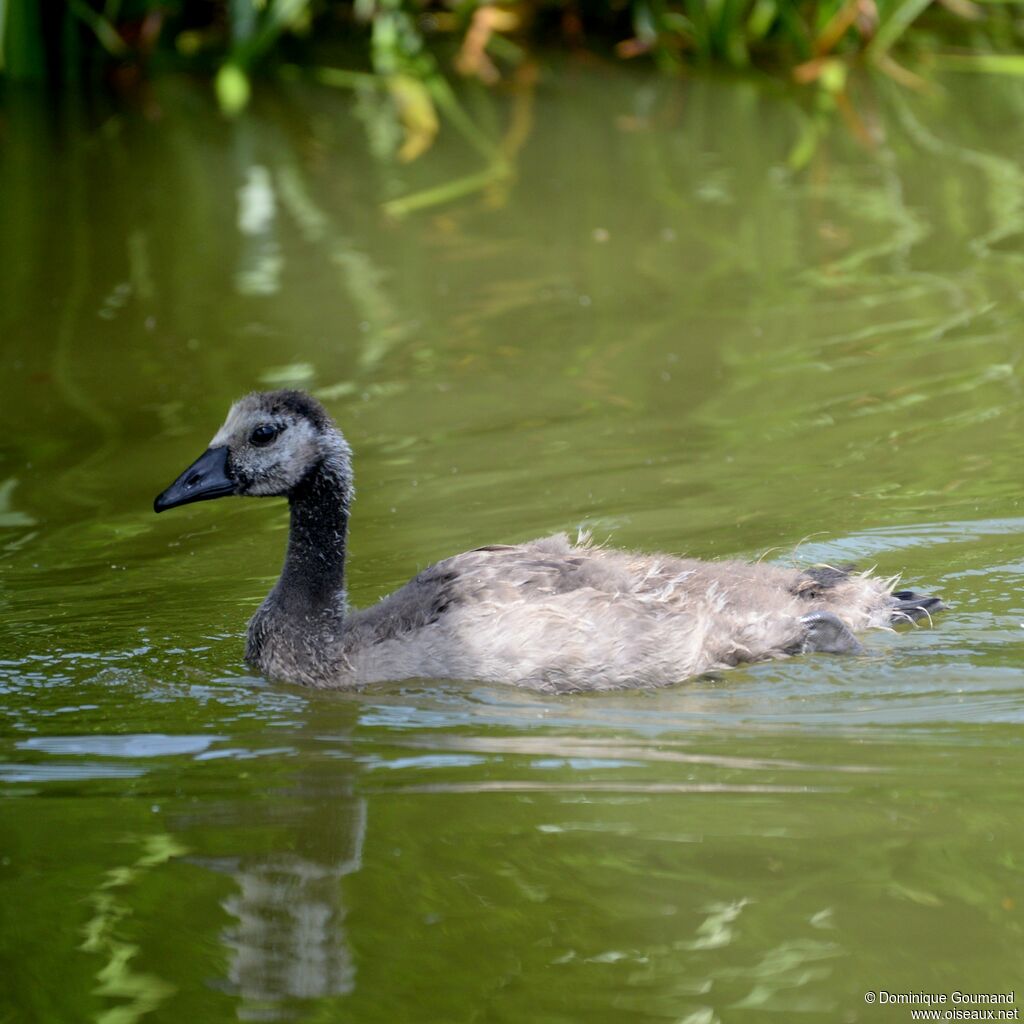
(270,443)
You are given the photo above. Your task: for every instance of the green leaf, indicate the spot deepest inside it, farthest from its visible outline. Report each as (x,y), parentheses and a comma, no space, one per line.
(889,32)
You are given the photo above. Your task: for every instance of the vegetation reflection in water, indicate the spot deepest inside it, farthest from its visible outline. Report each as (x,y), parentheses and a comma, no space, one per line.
(661,331)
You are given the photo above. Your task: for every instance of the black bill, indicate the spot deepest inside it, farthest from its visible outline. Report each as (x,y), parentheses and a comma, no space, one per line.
(208,477)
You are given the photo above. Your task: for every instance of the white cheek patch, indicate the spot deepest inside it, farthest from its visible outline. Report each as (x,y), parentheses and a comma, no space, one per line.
(294,452)
(277,468)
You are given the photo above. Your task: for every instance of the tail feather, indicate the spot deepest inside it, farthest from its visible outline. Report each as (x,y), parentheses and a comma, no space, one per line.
(910,607)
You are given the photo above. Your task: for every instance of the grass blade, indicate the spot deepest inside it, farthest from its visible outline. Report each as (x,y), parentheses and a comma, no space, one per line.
(892,29)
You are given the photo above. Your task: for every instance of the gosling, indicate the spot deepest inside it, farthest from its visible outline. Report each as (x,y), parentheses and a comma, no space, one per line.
(548,615)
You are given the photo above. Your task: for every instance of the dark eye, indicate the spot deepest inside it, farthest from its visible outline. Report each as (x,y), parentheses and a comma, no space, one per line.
(263,434)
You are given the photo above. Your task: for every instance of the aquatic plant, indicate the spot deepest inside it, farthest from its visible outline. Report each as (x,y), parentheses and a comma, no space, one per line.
(403,52)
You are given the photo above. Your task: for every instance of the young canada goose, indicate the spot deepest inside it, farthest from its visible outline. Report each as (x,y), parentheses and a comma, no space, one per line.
(547,615)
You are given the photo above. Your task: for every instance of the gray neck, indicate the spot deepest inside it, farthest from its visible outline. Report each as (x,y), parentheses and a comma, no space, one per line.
(313,578)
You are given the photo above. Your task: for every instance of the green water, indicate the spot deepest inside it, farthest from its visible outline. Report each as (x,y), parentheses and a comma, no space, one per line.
(696,320)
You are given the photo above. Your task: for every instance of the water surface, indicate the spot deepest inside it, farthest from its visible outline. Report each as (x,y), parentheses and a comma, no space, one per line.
(699,319)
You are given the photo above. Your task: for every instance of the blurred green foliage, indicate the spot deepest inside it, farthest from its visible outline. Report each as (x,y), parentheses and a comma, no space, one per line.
(407,48)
